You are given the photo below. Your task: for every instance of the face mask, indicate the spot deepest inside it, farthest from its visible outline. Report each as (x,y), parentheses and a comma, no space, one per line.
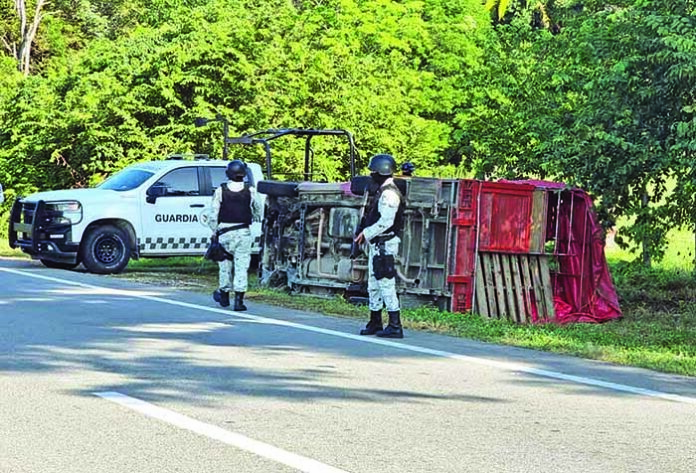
(378,178)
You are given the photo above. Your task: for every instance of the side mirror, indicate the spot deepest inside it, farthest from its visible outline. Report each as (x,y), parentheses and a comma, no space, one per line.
(2,196)
(158,190)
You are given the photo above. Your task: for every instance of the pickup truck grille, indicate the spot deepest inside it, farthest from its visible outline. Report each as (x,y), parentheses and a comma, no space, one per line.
(27,212)
(21,221)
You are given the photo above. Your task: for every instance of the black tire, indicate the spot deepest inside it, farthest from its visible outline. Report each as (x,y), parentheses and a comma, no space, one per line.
(106,250)
(58,265)
(402,185)
(359,184)
(278,188)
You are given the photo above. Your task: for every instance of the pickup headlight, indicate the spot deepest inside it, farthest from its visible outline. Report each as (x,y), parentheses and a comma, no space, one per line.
(64,213)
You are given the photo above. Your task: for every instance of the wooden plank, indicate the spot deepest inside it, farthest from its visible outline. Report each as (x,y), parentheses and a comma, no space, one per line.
(527,286)
(499,286)
(509,288)
(538,287)
(518,288)
(481,296)
(537,237)
(490,286)
(546,284)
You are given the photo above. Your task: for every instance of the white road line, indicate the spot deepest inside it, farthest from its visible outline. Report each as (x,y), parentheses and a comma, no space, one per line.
(504,365)
(216,433)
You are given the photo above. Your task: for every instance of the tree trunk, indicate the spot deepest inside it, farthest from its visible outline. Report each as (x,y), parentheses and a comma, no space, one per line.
(27,34)
(693,260)
(647,261)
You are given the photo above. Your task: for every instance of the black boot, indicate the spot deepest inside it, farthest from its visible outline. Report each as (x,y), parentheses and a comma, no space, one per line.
(393,330)
(239,301)
(375,323)
(221,297)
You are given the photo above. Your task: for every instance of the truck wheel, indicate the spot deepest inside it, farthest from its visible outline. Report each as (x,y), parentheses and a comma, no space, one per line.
(106,250)
(57,265)
(359,184)
(278,188)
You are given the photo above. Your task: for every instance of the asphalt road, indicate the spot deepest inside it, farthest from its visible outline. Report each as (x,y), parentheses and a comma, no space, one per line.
(102,375)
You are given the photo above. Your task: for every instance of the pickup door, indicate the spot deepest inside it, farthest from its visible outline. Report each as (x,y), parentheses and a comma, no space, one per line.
(171,214)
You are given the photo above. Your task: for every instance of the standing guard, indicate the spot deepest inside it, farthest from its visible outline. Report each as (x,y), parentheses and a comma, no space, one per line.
(382,228)
(235,206)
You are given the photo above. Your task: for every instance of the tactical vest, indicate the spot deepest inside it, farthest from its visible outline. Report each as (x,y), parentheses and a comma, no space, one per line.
(235,206)
(373,215)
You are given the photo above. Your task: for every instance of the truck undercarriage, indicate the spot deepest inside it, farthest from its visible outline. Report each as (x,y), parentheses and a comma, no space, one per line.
(309,238)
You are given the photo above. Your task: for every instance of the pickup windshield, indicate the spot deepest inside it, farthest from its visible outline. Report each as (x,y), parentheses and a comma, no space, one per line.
(125,180)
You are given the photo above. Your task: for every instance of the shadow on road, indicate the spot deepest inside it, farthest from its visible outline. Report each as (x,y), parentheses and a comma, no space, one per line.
(49,326)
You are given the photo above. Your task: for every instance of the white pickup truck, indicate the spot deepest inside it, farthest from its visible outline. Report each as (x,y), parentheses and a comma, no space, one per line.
(148,209)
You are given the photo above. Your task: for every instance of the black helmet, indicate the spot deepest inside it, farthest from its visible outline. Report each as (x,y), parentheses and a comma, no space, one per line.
(382,164)
(236,170)
(407,168)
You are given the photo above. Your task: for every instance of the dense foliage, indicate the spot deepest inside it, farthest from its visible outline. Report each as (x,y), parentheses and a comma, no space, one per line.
(598,94)
(605,101)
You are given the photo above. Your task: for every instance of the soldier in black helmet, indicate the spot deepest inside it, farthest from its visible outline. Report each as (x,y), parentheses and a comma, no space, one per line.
(407,169)
(382,230)
(235,206)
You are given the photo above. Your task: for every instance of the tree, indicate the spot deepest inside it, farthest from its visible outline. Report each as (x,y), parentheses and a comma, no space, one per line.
(607,105)
(390,72)
(503,11)
(20,44)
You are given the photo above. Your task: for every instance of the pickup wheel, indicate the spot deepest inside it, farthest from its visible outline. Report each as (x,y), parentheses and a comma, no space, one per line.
(58,265)
(106,250)
(278,188)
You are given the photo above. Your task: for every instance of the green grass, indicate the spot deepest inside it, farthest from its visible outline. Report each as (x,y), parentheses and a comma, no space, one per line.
(678,256)
(8,252)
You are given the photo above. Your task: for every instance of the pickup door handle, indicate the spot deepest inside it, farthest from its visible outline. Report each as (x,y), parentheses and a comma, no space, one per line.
(197,205)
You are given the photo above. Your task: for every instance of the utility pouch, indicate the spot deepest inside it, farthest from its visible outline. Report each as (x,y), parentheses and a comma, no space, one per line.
(215,251)
(384,266)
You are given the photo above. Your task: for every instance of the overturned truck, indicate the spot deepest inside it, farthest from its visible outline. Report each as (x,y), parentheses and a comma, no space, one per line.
(529,251)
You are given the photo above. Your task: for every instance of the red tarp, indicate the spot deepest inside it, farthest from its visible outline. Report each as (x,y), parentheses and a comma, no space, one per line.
(582,286)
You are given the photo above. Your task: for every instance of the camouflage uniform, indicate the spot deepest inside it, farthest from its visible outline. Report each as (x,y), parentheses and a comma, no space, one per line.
(383,291)
(236,242)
